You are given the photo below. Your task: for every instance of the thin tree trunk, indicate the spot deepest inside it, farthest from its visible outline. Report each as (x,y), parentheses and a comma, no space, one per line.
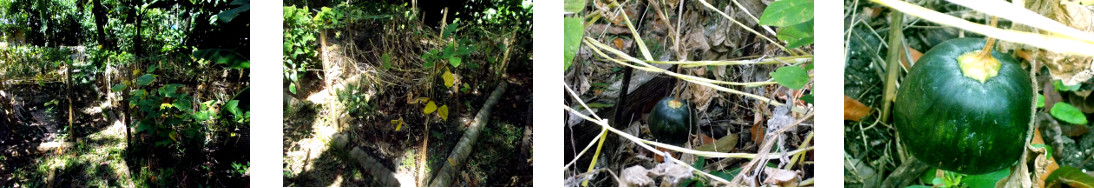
(459,154)
(68,87)
(100,22)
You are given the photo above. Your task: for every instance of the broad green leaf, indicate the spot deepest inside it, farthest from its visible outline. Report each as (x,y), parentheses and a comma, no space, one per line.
(455,61)
(292,88)
(574,6)
(233,107)
(1040,101)
(808,98)
(226,57)
(1070,176)
(118,87)
(146,79)
(797,35)
(183,105)
(1059,85)
(448,51)
(450,29)
(448,78)
(787,12)
(793,77)
(443,111)
(699,163)
(228,15)
(386,58)
(928,175)
(428,64)
(985,180)
(1067,113)
(429,108)
(573,31)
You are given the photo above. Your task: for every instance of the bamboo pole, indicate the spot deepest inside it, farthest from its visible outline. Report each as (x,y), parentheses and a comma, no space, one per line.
(896,38)
(463,148)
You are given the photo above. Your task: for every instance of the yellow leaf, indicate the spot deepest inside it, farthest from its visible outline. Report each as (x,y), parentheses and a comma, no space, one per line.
(451,162)
(421,100)
(399,123)
(174,136)
(448,78)
(430,107)
(166,105)
(443,111)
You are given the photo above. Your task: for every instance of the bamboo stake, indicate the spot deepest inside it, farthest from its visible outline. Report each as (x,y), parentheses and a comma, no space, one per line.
(896,37)
(463,148)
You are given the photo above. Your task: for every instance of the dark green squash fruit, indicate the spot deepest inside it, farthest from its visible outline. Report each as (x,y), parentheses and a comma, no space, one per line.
(670,121)
(959,110)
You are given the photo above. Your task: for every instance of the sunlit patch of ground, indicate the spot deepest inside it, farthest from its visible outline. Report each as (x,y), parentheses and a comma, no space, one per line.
(95,161)
(309,156)
(302,154)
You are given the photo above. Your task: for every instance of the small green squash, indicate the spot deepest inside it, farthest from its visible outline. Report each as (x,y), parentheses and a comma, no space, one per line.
(963,113)
(670,121)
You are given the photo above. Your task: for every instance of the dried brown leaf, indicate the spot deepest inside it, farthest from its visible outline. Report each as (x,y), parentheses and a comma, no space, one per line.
(635,176)
(785,178)
(854,110)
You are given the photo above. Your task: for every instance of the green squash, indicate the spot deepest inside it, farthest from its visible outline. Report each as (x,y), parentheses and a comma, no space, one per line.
(670,121)
(972,120)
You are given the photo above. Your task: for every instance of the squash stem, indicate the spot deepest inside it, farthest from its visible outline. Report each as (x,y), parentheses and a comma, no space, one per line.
(981,65)
(986,52)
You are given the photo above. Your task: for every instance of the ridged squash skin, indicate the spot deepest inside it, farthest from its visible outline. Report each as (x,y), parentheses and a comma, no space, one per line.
(670,121)
(957,123)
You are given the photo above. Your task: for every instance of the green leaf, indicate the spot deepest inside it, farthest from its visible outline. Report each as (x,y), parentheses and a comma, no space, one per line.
(937,181)
(226,57)
(1068,113)
(233,107)
(230,14)
(183,105)
(700,162)
(1059,85)
(928,175)
(600,105)
(797,35)
(292,88)
(455,61)
(573,31)
(1048,150)
(787,12)
(793,77)
(118,87)
(386,58)
(450,29)
(146,79)
(1040,101)
(1071,176)
(574,5)
(808,98)
(985,180)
